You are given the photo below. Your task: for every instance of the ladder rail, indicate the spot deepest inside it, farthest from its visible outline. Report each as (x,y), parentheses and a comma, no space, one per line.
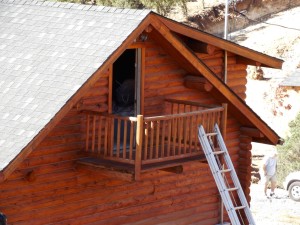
(217,172)
(234,176)
(217,176)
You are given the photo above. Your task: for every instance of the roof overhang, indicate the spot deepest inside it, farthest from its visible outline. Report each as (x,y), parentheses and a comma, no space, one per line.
(237,107)
(247,55)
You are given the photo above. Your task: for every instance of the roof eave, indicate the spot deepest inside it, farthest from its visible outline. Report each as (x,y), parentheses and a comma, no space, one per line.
(250,54)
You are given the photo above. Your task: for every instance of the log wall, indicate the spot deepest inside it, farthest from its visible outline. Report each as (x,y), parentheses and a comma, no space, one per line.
(68,196)
(49,188)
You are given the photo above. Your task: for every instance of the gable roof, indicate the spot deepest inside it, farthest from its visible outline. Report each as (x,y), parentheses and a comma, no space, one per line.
(51,53)
(47,51)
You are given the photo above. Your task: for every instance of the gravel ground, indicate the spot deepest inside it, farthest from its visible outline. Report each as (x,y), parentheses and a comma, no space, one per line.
(275,211)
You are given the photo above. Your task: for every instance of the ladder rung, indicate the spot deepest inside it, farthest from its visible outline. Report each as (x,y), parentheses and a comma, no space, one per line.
(211,134)
(232,189)
(239,207)
(218,152)
(225,170)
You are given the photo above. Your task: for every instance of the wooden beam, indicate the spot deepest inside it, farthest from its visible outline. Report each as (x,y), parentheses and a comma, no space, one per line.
(252,132)
(247,61)
(174,169)
(198,83)
(221,43)
(101,170)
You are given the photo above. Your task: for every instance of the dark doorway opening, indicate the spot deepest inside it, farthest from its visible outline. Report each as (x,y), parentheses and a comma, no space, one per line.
(124,84)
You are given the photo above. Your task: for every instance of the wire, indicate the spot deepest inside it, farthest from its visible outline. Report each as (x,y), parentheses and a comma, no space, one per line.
(291,28)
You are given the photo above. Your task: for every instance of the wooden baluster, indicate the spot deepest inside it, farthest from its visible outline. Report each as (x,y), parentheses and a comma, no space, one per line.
(163,133)
(146,141)
(118,137)
(131,139)
(174,129)
(106,128)
(93,133)
(169,123)
(87,132)
(157,139)
(180,127)
(151,140)
(185,134)
(125,139)
(191,127)
(111,137)
(99,134)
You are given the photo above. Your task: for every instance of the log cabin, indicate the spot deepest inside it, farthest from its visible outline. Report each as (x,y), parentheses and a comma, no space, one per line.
(99,114)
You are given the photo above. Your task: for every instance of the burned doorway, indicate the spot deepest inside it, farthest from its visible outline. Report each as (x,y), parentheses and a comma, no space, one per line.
(125,95)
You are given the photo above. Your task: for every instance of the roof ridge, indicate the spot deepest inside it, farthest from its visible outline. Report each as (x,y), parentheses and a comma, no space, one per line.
(74,6)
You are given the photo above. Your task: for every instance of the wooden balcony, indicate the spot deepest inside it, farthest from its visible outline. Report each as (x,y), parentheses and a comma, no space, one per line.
(136,144)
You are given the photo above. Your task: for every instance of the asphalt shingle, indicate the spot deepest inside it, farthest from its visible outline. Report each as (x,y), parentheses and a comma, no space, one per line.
(47,51)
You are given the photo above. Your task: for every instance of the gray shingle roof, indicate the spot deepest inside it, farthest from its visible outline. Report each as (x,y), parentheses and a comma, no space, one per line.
(47,51)
(292,80)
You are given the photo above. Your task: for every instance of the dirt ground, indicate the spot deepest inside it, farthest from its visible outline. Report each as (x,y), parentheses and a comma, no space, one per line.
(208,15)
(263,97)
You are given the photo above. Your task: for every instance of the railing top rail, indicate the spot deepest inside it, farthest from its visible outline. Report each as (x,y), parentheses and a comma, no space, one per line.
(156,118)
(187,114)
(130,118)
(191,103)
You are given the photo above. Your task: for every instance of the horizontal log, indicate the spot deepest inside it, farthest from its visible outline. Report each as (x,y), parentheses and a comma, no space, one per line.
(41,170)
(198,83)
(160,67)
(153,60)
(245,146)
(251,132)
(105,172)
(237,81)
(245,139)
(169,75)
(95,100)
(245,154)
(241,89)
(97,108)
(174,169)
(164,83)
(201,47)
(97,92)
(236,67)
(217,54)
(101,82)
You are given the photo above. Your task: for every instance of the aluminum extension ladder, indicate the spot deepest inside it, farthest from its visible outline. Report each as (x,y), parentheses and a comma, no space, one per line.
(219,173)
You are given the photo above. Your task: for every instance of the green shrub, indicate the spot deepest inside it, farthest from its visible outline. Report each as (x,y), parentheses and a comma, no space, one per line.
(289,152)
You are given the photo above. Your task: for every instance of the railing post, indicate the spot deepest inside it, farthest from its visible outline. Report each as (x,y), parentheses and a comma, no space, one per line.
(224,120)
(138,153)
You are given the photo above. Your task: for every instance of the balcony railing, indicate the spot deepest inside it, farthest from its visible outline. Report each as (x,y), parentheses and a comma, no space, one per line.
(148,140)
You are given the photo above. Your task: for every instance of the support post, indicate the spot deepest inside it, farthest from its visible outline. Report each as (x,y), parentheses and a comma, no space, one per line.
(138,153)
(224,120)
